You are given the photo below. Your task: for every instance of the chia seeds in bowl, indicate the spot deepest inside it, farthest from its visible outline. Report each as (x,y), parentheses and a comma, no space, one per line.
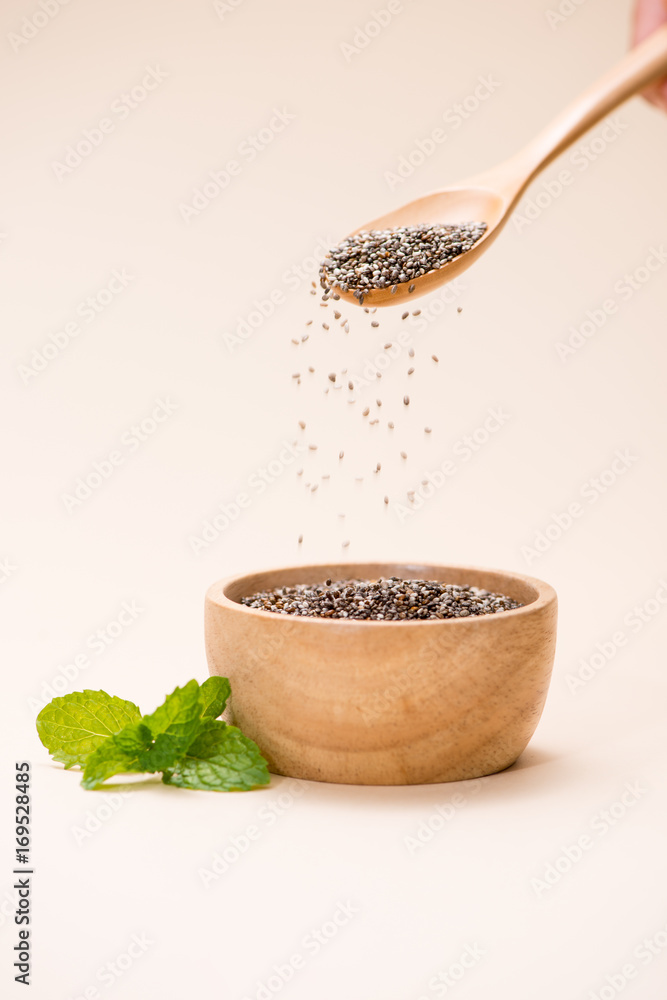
(385,599)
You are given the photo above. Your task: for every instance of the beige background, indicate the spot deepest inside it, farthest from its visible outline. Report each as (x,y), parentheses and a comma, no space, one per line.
(163,337)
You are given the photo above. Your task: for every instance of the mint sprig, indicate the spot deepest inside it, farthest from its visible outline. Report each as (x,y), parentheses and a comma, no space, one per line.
(182,739)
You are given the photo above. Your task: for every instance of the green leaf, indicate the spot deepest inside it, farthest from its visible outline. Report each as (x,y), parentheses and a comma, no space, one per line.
(178,716)
(214,692)
(133,750)
(220,759)
(153,744)
(118,755)
(74,726)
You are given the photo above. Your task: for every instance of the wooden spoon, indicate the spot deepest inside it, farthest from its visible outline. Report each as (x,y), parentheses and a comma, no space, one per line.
(492,196)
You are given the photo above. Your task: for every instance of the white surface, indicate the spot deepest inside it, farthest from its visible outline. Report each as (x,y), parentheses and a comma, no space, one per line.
(129,542)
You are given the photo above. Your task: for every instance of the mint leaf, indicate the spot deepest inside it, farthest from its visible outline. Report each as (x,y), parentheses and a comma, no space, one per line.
(178,716)
(159,740)
(132,750)
(214,692)
(220,759)
(120,754)
(74,726)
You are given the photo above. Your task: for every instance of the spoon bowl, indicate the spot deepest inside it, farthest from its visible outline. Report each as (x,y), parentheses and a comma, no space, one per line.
(465,203)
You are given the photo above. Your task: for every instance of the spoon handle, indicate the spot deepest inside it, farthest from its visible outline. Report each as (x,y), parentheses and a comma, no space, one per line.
(633,73)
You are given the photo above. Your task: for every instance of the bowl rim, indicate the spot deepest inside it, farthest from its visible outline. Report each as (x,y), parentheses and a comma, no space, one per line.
(216,594)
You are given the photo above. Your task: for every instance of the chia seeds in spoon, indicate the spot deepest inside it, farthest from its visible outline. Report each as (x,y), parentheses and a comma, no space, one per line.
(384,258)
(390,599)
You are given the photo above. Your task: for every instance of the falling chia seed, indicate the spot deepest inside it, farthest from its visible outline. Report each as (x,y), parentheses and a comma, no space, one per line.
(381,258)
(389,599)
(368,257)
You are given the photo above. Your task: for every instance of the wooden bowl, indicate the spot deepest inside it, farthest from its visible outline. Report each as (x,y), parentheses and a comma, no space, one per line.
(384,703)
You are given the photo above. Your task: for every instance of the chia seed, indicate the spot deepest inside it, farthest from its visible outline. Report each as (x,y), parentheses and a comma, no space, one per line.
(389,599)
